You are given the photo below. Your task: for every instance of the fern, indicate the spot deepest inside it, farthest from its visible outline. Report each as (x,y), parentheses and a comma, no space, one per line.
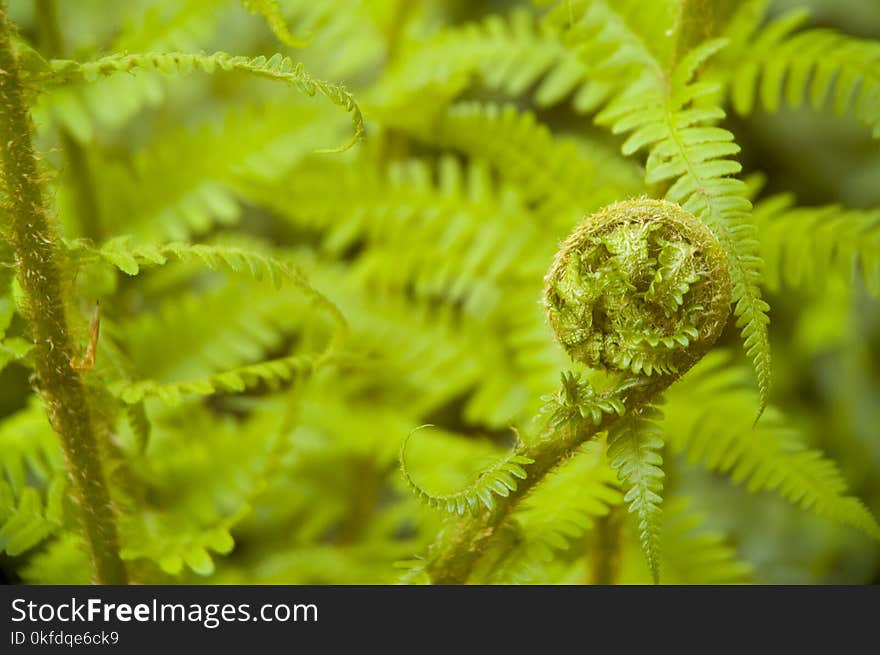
(557,514)
(769,456)
(632,450)
(803,245)
(497,480)
(550,188)
(261,141)
(276,67)
(553,174)
(692,553)
(24,522)
(688,150)
(817,63)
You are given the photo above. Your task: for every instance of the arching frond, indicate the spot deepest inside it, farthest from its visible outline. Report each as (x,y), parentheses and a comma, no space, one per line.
(276,67)
(496,480)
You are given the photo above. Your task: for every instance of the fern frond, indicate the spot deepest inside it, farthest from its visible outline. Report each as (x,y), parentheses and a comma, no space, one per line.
(633,445)
(129,258)
(490,241)
(202,474)
(689,152)
(111,103)
(29,449)
(554,174)
(174,544)
(710,423)
(510,53)
(24,521)
(693,554)
(783,65)
(62,560)
(576,402)
(262,141)
(803,245)
(272,373)
(496,480)
(276,67)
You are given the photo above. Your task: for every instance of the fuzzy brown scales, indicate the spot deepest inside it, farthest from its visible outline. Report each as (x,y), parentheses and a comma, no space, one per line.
(595,319)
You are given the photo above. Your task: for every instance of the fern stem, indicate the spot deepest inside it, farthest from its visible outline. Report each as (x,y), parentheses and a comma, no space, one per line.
(78,168)
(461,543)
(38,263)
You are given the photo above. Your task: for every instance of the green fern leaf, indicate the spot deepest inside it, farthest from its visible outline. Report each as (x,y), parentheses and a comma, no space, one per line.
(784,65)
(276,67)
(633,445)
(803,245)
(563,180)
(24,521)
(710,423)
(555,514)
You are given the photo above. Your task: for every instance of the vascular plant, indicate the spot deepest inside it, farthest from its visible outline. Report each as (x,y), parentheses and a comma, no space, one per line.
(282,280)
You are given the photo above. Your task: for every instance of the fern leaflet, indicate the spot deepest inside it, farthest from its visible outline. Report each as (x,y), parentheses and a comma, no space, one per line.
(633,445)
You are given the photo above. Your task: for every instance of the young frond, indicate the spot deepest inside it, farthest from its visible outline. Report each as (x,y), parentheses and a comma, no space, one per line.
(277,67)
(498,479)
(784,65)
(803,245)
(634,443)
(711,424)
(690,153)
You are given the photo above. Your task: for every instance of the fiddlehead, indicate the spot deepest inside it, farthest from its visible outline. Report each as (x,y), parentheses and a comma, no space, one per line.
(641,289)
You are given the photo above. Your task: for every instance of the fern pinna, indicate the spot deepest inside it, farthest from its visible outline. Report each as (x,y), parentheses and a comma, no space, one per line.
(257,326)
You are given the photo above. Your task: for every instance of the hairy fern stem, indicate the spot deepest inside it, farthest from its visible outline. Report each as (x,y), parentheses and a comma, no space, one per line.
(37,253)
